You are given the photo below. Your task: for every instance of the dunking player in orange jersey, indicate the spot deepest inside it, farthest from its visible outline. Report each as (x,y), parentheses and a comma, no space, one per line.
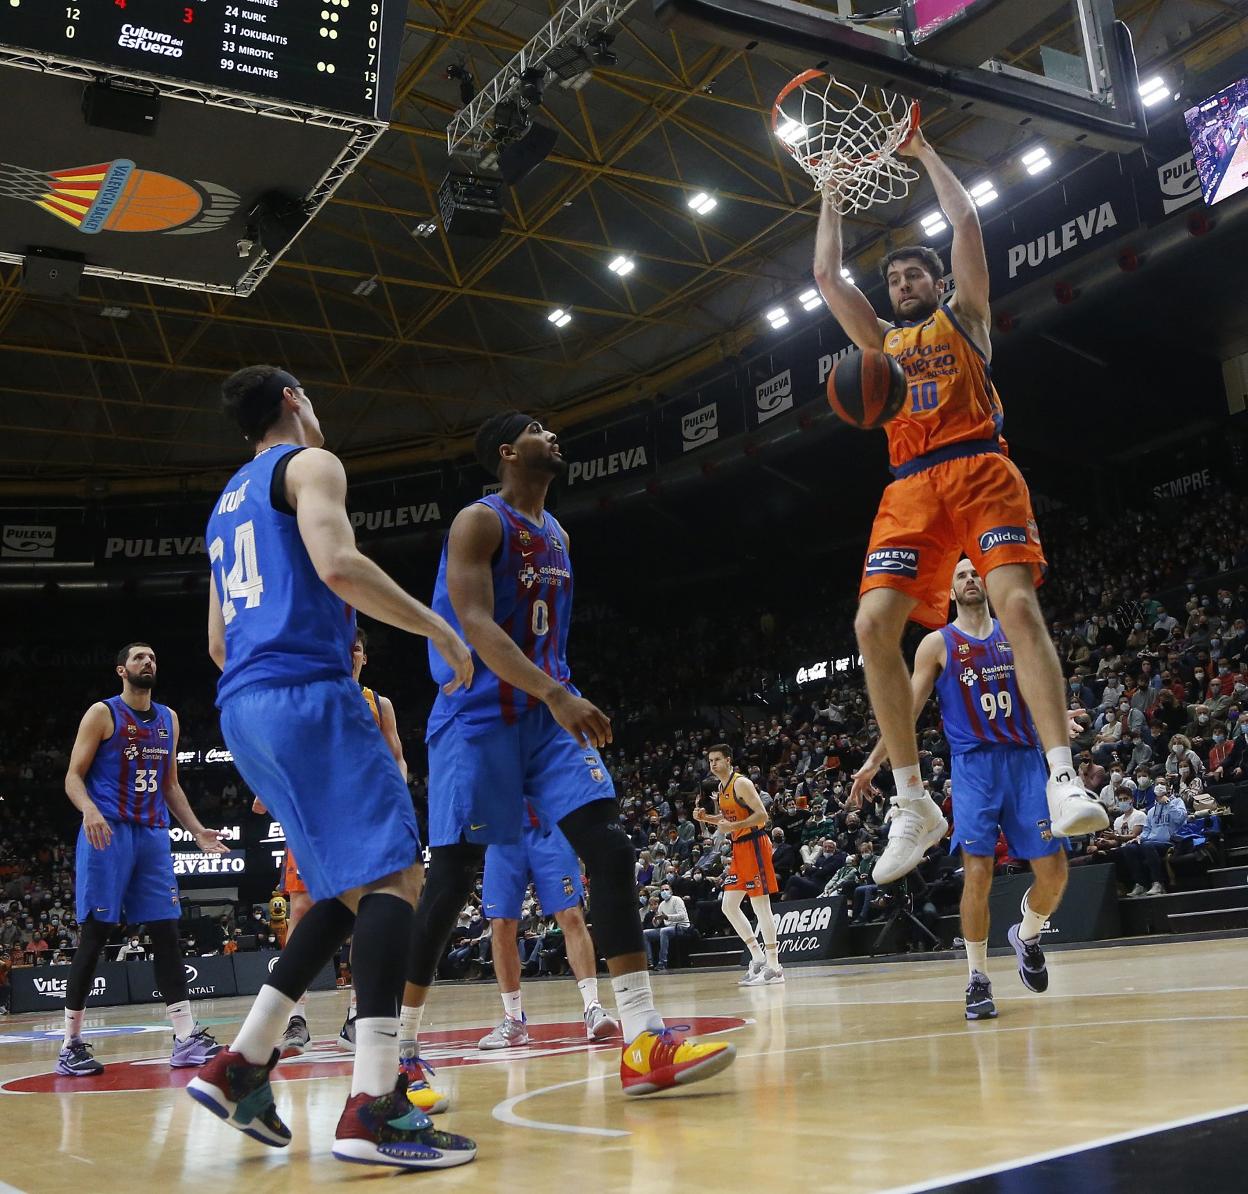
(956,492)
(741,812)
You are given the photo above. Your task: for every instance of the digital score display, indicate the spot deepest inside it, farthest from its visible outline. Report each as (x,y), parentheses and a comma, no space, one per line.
(338,56)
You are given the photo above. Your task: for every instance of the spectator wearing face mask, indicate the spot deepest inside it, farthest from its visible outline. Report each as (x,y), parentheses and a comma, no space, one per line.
(1136,753)
(1181,751)
(1119,788)
(1107,737)
(1219,699)
(1091,773)
(1144,859)
(1226,757)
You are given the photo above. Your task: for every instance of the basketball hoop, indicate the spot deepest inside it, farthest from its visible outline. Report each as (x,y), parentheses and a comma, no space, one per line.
(847,139)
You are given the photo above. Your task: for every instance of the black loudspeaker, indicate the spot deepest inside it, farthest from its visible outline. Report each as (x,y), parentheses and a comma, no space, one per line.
(275,220)
(51,275)
(121,107)
(471,205)
(517,160)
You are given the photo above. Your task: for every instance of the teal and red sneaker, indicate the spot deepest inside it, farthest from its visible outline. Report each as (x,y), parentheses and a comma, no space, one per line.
(388,1130)
(238,1092)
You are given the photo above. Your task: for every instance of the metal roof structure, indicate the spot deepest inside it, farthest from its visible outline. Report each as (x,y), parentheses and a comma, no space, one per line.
(117,391)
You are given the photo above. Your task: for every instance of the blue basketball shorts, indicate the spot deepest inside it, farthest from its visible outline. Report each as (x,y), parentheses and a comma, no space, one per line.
(315,757)
(1002,788)
(131,880)
(547,860)
(478,785)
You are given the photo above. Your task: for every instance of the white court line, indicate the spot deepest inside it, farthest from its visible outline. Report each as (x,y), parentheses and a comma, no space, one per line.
(1067,1151)
(1118,994)
(5,1188)
(506,1113)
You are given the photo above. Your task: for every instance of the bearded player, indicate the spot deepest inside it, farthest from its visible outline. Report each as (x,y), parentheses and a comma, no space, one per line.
(955,492)
(525,733)
(999,780)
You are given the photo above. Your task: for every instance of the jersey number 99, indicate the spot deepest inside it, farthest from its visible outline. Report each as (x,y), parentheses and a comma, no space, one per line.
(994,703)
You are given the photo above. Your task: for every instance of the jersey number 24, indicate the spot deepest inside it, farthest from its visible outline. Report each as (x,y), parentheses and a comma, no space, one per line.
(243,580)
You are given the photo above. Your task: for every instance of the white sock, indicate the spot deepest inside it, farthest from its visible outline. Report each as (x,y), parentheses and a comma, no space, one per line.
(409,1029)
(1060,759)
(301,1006)
(589,991)
(977,956)
(512,1005)
(635,1002)
(767,927)
(1032,924)
(73,1025)
(264,1026)
(376,1055)
(351,1005)
(909,781)
(182,1019)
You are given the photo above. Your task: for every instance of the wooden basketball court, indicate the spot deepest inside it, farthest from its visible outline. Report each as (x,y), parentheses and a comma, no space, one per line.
(862,1078)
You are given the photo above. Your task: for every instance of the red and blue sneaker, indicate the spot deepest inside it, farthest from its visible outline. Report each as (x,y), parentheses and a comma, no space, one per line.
(238,1092)
(388,1130)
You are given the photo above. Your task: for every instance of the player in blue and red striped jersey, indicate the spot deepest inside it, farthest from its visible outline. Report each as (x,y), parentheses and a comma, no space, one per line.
(523,732)
(999,777)
(123,778)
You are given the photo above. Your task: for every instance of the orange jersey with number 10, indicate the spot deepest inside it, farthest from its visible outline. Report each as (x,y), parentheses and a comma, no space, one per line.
(950,397)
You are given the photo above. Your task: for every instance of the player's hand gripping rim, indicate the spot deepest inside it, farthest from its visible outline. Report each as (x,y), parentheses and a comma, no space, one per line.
(588,724)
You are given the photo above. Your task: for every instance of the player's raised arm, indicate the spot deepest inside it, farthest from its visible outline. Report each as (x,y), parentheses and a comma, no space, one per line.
(96,725)
(849,306)
(928,661)
(967,258)
(475,536)
(316,485)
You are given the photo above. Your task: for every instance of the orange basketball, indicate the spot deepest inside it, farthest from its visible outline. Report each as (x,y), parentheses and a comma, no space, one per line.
(866,389)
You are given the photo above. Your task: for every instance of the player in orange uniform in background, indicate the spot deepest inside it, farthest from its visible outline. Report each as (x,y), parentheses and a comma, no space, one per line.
(741,812)
(955,492)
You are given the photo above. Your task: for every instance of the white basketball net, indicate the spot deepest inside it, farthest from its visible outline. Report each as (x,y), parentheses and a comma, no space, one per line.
(847,139)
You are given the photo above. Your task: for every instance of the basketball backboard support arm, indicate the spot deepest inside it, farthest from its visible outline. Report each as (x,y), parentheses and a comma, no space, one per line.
(1107,115)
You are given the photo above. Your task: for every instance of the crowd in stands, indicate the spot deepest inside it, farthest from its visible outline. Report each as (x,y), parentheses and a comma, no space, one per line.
(1148,614)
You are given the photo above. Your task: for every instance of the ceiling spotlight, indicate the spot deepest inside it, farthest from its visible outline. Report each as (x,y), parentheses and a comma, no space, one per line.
(792,131)
(115,312)
(1036,160)
(365,287)
(933,222)
(777,317)
(1153,91)
(623,266)
(983,193)
(467,84)
(425,228)
(559,317)
(245,245)
(702,203)
(531,86)
(570,64)
(810,299)
(600,43)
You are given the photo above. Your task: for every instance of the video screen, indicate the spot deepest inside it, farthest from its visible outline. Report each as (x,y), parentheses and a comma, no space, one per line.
(1218,128)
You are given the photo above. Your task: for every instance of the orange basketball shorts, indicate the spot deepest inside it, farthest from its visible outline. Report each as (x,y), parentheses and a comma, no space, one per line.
(292,881)
(974,506)
(752,871)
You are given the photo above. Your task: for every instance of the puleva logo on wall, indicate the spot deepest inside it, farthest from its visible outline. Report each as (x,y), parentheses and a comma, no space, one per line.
(596,468)
(1085,227)
(119,196)
(28,542)
(699,426)
(1179,182)
(774,396)
(396,516)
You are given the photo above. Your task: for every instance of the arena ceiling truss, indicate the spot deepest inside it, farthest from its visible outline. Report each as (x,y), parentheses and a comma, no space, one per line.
(406,341)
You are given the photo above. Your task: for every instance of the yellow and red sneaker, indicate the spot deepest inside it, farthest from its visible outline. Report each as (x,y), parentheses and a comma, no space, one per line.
(420,1094)
(661,1060)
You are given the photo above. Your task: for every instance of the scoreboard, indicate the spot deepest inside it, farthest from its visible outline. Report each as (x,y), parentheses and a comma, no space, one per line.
(336,56)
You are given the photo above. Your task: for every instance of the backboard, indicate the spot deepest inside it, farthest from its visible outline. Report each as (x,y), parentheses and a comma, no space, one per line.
(1066,69)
